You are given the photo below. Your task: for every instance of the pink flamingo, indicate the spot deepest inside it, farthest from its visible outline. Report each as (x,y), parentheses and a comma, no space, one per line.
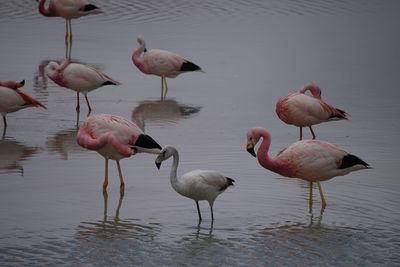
(13,99)
(161,63)
(302,110)
(310,160)
(68,9)
(78,77)
(114,138)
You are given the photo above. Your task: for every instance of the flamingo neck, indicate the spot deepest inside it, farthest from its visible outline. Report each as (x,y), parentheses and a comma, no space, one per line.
(174,168)
(48,12)
(262,153)
(137,59)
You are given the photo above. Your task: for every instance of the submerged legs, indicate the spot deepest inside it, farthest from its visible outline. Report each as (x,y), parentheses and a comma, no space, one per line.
(310,197)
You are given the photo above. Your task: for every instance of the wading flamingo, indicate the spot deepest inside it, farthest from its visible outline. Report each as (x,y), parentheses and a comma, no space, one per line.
(198,184)
(78,77)
(310,160)
(161,63)
(13,99)
(302,110)
(68,9)
(114,138)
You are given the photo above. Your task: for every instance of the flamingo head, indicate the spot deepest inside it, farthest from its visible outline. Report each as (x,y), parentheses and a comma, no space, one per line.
(314,90)
(253,136)
(12,84)
(166,153)
(51,68)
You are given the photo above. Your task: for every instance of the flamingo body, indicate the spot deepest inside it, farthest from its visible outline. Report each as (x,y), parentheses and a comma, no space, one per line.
(114,138)
(78,77)
(13,99)
(197,184)
(68,9)
(302,110)
(310,160)
(161,63)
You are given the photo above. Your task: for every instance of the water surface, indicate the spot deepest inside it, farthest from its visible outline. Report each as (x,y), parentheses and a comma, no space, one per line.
(253,52)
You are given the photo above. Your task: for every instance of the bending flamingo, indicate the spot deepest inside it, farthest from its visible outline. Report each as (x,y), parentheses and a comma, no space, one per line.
(13,99)
(78,77)
(161,63)
(198,184)
(310,160)
(302,110)
(68,9)
(114,138)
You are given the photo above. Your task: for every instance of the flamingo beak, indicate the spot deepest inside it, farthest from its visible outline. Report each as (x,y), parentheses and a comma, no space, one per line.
(159,160)
(20,84)
(250,148)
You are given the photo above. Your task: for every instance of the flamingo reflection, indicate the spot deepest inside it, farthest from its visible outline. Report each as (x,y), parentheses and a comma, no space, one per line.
(162,111)
(64,143)
(113,227)
(13,154)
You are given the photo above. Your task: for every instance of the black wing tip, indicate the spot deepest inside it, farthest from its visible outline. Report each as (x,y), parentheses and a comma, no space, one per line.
(146,141)
(340,114)
(109,83)
(230,181)
(189,66)
(90,7)
(351,160)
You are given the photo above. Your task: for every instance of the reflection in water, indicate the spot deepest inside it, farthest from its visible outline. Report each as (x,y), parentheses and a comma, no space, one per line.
(113,238)
(12,154)
(162,111)
(64,143)
(112,227)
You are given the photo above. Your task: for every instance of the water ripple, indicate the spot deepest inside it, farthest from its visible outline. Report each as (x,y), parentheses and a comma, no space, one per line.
(172,10)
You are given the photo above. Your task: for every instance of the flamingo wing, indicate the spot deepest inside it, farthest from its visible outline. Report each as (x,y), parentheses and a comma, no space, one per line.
(84,77)
(313,160)
(162,63)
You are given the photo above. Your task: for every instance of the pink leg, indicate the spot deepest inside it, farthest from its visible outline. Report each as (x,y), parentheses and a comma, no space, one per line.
(301,133)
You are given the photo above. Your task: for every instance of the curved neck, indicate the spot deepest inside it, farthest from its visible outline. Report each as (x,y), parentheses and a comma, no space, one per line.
(48,12)
(136,57)
(262,152)
(173,175)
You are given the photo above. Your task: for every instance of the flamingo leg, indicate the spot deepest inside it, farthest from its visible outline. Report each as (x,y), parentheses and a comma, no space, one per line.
(105,183)
(166,87)
(323,202)
(121,179)
(87,102)
(5,125)
(198,210)
(301,133)
(312,132)
(310,197)
(66,31)
(212,211)
(105,196)
(162,88)
(78,107)
(70,31)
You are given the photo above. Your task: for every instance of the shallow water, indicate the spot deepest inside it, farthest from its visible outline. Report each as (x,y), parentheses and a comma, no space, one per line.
(253,52)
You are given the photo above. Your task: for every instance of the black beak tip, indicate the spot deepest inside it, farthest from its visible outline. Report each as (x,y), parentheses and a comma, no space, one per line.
(158,165)
(252,152)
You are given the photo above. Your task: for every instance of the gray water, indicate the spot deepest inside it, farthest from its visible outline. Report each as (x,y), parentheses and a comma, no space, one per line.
(52,210)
